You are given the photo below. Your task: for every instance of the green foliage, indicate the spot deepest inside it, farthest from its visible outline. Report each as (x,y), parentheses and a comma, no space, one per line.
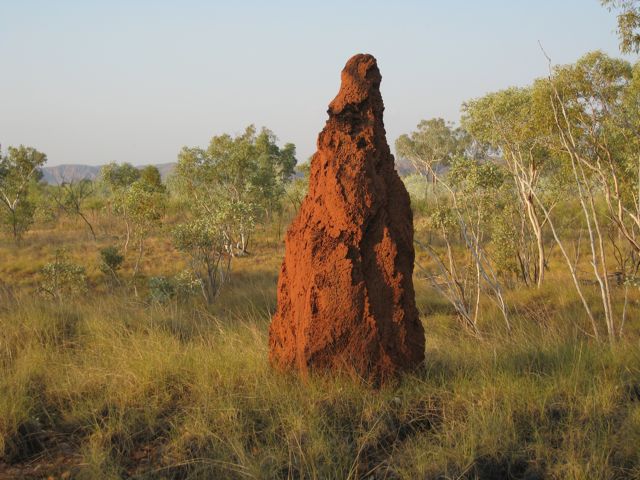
(236,182)
(72,197)
(509,121)
(179,287)
(444,218)
(596,124)
(415,185)
(110,260)
(433,141)
(19,171)
(198,236)
(628,23)
(186,284)
(512,123)
(45,212)
(139,198)
(161,289)
(249,167)
(19,219)
(62,278)
(150,177)
(119,177)
(297,189)
(18,167)
(594,102)
(205,246)
(433,145)
(470,176)
(145,206)
(504,239)
(481,191)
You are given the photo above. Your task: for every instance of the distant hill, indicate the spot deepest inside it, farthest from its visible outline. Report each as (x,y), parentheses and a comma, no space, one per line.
(66,173)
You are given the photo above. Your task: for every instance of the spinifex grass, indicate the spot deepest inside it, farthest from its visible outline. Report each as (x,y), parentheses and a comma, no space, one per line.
(128,389)
(110,385)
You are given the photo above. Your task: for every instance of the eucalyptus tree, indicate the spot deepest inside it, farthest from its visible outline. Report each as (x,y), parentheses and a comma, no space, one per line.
(472,195)
(465,187)
(118,178)
(150,175)
(72,196)
(236,182)
(19,172)
(230,187)
(628,23)
(433,145)
(593,107)
(205,247)
(508,120)
(298,187)
(144,203)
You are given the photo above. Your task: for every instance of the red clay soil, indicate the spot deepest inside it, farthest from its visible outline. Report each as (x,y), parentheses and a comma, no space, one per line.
(345,293)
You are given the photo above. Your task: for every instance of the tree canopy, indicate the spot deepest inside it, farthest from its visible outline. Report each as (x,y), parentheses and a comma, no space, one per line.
(628,23)
(19,170)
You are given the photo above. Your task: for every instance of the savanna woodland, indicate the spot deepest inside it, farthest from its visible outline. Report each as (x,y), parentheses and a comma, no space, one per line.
(135,307)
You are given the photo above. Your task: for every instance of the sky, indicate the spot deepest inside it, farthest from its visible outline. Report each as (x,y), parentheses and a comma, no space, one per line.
(134,81)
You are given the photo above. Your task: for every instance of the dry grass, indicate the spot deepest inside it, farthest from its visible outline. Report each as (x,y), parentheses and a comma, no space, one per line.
(110,386)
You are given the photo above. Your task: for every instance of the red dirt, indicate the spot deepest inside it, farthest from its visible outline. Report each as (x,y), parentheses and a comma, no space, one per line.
(345,294)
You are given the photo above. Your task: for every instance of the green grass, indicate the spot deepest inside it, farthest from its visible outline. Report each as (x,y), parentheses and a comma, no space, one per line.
(120,389)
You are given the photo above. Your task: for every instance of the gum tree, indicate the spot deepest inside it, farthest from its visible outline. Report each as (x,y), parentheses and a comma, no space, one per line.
(19,171)
(593,107)
(229,187)
(471,194)
(628,23)
(433,145)
(236,182)
(118,179)
(204,245)
(72,196)
(508,121)
(144,203)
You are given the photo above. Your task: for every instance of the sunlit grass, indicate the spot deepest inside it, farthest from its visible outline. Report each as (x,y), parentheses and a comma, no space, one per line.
(186,393)
(110,385)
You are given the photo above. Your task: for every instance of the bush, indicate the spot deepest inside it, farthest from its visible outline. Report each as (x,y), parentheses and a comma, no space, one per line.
(180,287)
(161,289)
(110,261)
(63,278)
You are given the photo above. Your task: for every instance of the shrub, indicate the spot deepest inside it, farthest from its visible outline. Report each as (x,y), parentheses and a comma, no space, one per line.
(180,287)
(110,261)
(161,289)
(63,278)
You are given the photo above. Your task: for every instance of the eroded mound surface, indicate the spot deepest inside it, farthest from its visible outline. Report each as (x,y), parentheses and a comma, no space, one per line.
(345,292)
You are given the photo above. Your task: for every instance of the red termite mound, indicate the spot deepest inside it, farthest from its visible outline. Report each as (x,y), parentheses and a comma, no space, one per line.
(345,293)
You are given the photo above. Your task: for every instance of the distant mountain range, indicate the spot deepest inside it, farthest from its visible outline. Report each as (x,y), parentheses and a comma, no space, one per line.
(67,173)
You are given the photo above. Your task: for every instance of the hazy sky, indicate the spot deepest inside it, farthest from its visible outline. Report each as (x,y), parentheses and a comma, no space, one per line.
(92,82)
